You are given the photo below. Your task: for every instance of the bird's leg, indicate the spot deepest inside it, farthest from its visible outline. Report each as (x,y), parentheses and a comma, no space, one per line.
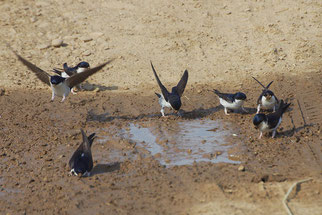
(86,174)
(226,111)
(258,108)
(260,135)
(72,172)
(244,109)
(52,96)
(274,108)
(274,133)
(64,97)
(162,111)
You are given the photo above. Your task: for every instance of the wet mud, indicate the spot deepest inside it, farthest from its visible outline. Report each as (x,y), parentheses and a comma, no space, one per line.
(147,164)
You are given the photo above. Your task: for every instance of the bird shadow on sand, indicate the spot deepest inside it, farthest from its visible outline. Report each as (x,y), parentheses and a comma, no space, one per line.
(105,117)
(292,131)
(201,112)
(91,87)
(105,168)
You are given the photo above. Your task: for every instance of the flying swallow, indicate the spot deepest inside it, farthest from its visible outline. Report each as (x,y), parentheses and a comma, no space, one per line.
(60,86)
(267,98)
(270,122)
(173,99)
(81,161)
(231,101)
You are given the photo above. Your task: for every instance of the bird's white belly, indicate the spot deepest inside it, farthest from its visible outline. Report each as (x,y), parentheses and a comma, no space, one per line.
(79,70)
(269,104)
(163,102)
(265,128)
(235,105)
(61,89)
(64,75)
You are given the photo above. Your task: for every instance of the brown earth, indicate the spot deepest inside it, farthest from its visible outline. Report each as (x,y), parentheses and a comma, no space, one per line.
(221,43)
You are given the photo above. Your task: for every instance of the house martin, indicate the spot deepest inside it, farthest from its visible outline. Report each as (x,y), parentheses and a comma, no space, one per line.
(171,100)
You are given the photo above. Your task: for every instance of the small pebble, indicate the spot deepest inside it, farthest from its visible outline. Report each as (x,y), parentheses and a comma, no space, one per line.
(43,46)
(87,53)
(241,168)
(57,42)
(86,39)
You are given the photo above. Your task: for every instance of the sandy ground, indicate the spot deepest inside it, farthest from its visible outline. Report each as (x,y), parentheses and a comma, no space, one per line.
(221,43)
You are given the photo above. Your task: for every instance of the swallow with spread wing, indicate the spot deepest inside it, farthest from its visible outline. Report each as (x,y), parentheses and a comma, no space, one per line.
(60,86)
(173,99)
(81,161)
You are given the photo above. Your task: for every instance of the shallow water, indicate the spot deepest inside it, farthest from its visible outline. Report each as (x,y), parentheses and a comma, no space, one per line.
(181,143)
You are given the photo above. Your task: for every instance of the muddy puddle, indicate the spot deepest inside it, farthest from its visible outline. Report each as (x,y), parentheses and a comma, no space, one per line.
(172,144)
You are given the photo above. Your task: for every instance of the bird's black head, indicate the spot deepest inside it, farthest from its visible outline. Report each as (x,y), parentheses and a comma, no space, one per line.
(56,79)
(258,118)
(268,94)
(83,64)
(176,104)
(240,96)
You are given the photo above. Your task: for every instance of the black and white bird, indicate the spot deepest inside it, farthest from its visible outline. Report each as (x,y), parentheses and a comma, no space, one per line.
(270,122)
(60,86)
(267,99)
(173,99)
(67,71)
(231,101)
(81,161)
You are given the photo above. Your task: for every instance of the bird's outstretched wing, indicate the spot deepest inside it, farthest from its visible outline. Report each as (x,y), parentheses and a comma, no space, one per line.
(182,83)
(164,90)
(80,77)
(41,74)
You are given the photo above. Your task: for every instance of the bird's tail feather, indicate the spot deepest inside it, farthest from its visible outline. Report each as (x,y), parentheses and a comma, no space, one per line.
(158,95)
(283,106)
(216,92)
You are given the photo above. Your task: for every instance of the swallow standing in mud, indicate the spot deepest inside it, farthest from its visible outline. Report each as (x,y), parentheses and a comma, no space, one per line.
(82,161)
(69,71)
(60,86)
(231,101)
(267,99)
(270,122)
(173,99)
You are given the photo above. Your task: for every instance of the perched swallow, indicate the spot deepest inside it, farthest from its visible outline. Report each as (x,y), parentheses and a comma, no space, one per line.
(231,101)
(82,161)
(69,71)
(60,86)
(267,98)
(173,99)
(270,122)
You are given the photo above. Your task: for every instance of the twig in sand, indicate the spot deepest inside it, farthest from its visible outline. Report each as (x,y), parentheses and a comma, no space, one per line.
(285,200)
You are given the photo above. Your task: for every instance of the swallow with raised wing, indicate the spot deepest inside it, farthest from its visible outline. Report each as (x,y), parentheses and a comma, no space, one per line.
(81,161)
(60,86)
(171,100)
